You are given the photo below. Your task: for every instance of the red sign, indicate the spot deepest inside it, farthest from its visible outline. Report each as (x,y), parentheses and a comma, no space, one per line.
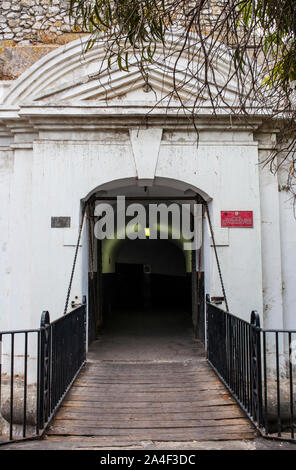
(236,218)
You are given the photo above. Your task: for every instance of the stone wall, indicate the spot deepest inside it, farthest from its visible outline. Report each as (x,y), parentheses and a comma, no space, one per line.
(30,29)
(33,20)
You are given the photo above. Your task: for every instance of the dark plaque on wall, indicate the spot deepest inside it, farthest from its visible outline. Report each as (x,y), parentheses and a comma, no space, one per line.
(60,222)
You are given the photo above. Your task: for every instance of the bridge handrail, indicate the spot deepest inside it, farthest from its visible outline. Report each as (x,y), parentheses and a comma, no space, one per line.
(60,350)
(257,366)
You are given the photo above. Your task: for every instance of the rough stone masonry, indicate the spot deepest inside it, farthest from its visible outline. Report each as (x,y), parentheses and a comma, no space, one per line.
(30,29)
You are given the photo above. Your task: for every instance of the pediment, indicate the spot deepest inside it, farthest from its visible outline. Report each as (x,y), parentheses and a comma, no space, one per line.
(68,74)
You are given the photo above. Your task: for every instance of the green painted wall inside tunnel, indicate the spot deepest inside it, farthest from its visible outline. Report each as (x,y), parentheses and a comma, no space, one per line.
(111,248)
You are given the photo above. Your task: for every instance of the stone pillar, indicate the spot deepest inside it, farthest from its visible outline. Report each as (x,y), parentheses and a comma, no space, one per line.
(271,239)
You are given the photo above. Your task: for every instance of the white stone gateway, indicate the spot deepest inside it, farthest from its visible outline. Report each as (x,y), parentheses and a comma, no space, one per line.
(67,134)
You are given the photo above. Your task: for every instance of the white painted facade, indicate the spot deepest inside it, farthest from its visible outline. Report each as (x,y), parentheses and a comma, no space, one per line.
(64,136)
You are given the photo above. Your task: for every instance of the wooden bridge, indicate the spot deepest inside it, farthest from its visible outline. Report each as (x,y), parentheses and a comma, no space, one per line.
(134,402)
(125,394)
(146,380)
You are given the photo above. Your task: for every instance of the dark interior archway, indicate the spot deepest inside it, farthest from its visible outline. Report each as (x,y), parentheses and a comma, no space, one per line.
(150,290)
(148,273)
(135,281)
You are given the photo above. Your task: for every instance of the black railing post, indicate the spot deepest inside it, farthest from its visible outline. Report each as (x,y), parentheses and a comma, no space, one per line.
(256,381)
(44,368)
(84,326)
(208,300)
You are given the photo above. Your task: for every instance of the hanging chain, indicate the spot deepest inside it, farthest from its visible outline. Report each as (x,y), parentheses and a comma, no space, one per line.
(216,255)
(91,257)
(75,259)
(90,210)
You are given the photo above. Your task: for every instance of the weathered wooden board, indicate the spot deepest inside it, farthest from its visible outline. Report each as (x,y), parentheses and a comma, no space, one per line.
(140,397)
(193,407)
(125,415)
(146,423)
(167,434)
(178,401)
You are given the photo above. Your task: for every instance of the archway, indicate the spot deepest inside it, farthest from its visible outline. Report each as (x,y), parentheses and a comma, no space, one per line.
(146,286)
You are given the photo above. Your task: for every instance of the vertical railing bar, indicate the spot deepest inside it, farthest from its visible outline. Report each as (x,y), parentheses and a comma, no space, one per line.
(251,348)
(278,386)
(244,363)
(55,365)
(236,359)
(58,369)
(249,369)
(41,380)
(25,384)
(228,348)
(11,386)
(265,384)
(0,370)
(232,353)
(38,384)
(259,373)
(291,387)
(53,369)
(50,371)
(241,363)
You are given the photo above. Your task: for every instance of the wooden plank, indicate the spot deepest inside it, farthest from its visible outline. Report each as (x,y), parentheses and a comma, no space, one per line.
(148,381)
(142,389)
(89,413)
(160,405)
(67,427)
(130,391)
(145,423)
(142,397)
(167,370)
(133,368)
(149,386)
(192,362)
(177,401)
(160,379)
(168,434)
(145,373)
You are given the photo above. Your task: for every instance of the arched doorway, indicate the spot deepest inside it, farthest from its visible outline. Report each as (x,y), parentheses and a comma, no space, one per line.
(146,287)
(149,294)
(150,273)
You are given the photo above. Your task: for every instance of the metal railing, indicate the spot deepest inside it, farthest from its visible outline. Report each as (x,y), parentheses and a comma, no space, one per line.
(37,368)
(258,367)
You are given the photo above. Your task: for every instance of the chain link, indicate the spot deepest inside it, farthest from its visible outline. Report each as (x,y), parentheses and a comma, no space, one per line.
(216,255)
(75,259)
